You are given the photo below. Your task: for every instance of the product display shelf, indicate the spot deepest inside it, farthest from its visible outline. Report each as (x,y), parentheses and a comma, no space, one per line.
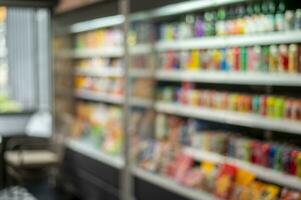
(263,173)
(105,52)
(276,79)
(94,96)
(101,72)
(231,41)
(229,117)
(182,8)
(89,151)
(172,186)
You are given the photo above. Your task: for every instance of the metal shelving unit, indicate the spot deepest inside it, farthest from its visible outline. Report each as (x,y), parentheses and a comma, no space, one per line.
(269,79)
(231,41)
(213,77)
(229,117)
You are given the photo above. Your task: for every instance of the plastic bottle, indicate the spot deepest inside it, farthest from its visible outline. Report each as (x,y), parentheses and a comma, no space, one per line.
(293,59)
(220,26)
(209,23)
(273,59)
(265,59)
(257,22)
(283,58)
(298,19)
(236,59)
(289,21)
(271,15)
(279,17)
(257,58)
(249,25)
(199,27)
(264,18)
(243,59)
(224,63)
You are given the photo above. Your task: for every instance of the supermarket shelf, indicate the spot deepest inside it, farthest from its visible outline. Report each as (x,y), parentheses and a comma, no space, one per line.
(94,96)
(105,72)
(263,173)
(172,186)
(88,150)
(230,77)
(226,41)
(140,49)
(181,8)
(139,102)
(98,52)
(96,24)
(140,73)
(229,117)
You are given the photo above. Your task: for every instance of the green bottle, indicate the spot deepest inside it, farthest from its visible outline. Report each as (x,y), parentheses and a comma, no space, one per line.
(243,59)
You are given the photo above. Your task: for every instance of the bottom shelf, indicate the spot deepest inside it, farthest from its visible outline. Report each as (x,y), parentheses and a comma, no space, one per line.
(89,151)
(266,174)
(172,186)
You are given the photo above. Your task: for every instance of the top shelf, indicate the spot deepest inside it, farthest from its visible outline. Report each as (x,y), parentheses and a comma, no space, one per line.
(188,6)
(231,41)
(168,10)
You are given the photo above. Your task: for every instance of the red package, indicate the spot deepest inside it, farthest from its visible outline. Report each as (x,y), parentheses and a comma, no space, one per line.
(263,105)
(288,108)
(256,152)
(193,178)
(225,181)
(293,162)
(184,164)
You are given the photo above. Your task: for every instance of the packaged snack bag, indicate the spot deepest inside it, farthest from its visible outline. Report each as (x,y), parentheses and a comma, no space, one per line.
(224,181)
(209,171)
(193,178)
(184,164)
(269,192)
(256,189)
(242,189)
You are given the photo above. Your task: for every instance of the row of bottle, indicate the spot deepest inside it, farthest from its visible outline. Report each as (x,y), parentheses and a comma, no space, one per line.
(267,16)
(276,107)
(282,59)
(271,155)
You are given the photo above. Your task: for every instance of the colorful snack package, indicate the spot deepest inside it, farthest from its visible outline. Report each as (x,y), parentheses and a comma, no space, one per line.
(269,192)
(243,181)
(224,181)
(193,178)
(209,170)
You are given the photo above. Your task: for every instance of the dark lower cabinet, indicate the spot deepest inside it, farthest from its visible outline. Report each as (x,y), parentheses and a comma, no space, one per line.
(89,179)
(148,191)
